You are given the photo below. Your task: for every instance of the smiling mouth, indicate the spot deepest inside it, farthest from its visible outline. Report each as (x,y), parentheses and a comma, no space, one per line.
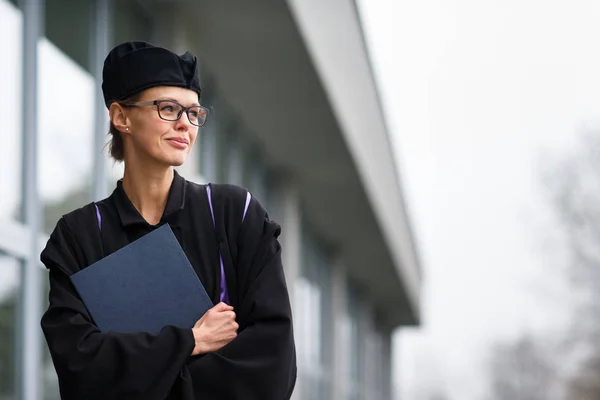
(178,140)
(178,143)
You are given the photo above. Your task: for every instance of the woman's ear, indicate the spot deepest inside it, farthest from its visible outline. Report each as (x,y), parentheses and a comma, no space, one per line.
(118,118)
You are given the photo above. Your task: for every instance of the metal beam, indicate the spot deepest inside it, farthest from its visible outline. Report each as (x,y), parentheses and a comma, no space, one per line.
(100,46)
(30,356)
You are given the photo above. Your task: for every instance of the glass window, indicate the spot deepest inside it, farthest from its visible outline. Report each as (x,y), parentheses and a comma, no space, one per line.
(274,202)
(222,153)
(208,147)
(313,315)
(207,140)
(66,127)
(235,157)
(256,175)
(9,304)
(10,111)
(228,158)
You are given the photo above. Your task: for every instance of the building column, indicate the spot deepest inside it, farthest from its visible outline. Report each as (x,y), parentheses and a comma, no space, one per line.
(363,350)
(100,44)
(30,354)
(291,235)
(368,352)
(386,364)
(290,239)
(339,301)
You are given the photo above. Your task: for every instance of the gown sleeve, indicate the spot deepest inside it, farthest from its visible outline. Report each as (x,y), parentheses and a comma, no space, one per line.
(260,363)
(95,365)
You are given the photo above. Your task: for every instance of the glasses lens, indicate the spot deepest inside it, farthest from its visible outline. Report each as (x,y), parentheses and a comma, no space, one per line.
(197,115)
(169,110)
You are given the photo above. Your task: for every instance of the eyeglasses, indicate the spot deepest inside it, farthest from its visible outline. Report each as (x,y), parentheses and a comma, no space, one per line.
(170,110)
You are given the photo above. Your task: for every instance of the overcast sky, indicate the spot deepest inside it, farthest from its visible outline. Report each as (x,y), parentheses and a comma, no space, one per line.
(477,94)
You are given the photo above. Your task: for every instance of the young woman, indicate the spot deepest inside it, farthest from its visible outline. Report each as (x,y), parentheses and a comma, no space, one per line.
(242,348)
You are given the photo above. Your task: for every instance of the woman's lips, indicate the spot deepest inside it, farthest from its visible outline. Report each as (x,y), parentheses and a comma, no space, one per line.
(178,143)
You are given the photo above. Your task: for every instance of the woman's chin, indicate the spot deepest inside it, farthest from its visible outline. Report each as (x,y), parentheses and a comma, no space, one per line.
(174,159)
(177,161)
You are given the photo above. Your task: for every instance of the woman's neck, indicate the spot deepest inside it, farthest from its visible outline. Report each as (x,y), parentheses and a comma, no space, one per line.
(148,189)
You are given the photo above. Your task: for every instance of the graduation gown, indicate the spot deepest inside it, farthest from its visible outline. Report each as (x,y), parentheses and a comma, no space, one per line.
(260,363)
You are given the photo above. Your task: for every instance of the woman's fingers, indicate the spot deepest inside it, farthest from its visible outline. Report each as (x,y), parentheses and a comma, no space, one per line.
(222,307)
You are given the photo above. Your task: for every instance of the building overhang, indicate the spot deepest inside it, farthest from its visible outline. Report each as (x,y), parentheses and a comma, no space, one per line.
(299,77)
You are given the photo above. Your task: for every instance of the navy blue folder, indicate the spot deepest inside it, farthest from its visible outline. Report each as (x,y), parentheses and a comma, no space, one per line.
(144,286)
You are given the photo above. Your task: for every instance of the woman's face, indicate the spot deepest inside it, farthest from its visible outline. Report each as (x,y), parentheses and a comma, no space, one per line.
(151,138)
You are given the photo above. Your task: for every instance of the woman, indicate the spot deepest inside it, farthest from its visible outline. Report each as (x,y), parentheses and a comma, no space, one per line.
(243,348)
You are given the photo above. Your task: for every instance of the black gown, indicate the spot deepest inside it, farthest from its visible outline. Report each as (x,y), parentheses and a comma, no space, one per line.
(259,364)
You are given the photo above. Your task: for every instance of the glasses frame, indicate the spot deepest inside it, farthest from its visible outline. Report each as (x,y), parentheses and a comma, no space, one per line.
(157,104)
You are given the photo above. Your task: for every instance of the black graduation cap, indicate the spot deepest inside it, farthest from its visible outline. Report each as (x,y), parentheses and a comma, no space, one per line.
(132,67)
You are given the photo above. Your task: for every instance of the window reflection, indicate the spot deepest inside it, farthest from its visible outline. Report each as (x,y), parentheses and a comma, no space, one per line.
(65,133)
(10,111)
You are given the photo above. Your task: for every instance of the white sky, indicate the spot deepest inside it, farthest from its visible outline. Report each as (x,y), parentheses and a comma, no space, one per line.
(476,92)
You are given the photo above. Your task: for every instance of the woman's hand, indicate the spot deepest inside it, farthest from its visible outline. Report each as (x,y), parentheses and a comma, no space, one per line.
(215,329)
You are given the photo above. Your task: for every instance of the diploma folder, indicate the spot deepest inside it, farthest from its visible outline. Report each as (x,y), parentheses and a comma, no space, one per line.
(143,287)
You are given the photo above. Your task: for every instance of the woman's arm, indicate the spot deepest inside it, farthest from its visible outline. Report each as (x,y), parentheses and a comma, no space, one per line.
(95,365)
(261,362)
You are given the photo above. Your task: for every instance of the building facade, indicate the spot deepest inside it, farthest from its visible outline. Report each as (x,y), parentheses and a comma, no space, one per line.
(294,117)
